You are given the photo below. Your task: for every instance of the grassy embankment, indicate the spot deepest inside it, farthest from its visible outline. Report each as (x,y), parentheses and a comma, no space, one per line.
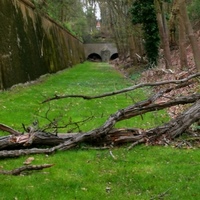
(142,173)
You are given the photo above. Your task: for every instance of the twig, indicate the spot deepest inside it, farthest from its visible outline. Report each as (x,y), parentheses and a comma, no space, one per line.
(161,195)
(113,155)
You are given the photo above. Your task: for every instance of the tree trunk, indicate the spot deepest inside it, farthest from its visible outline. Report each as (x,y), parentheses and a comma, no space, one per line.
(190,32)
(163,32)
(132,49)
(182,43)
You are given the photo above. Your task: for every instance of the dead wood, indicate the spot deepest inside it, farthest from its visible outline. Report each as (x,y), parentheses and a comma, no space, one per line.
(106,134)
(176,126)
(3,127)
(19,170)
(29,139)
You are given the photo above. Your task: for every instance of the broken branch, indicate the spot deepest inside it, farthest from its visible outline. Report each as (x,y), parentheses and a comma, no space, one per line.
(9,130)
(19,170)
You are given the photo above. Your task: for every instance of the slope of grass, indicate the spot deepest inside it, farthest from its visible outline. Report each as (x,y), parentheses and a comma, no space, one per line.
(142,173)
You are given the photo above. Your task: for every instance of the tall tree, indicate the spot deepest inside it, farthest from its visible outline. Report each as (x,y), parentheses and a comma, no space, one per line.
(78,16)
(180,9)
(116,19)
(182,43)
(163,29)
(190,32)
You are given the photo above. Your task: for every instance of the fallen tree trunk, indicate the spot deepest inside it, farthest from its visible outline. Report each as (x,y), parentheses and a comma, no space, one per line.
(106,134)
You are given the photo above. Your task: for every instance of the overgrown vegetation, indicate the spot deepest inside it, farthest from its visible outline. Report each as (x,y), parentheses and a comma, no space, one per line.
(143,12)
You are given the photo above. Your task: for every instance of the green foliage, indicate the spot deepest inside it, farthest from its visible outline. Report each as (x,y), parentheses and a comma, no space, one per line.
(79,27)
(68,26)
(90,30)
(194,10)
(143,12)
(70,14)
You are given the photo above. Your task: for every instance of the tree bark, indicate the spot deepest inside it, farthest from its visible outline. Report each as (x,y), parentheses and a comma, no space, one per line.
(182,43)
(163,32)
(190,32)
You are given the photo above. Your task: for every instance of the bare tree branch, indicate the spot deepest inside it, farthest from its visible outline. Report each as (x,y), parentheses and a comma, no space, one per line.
(176,82)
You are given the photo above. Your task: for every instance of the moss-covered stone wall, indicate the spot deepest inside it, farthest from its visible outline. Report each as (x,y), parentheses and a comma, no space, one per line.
(32,45)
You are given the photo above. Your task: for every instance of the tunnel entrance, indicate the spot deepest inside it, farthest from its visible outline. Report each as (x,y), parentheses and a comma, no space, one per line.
(114,56)
(94,57)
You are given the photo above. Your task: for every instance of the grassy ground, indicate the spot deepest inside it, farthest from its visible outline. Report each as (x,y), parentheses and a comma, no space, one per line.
(23,104)
(142,173)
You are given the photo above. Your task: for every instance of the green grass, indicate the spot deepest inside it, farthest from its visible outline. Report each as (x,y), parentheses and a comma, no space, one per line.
(23,104)
(142,173)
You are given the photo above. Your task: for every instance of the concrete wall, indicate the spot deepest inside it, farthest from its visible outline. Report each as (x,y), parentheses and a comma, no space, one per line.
(104,50)
(32,45)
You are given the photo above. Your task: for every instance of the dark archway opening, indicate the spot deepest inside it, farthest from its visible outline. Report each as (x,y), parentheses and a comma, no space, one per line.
(114,56)
(94,57)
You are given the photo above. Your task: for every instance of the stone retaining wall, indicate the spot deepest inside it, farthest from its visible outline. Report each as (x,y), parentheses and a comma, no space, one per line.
(32,45)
